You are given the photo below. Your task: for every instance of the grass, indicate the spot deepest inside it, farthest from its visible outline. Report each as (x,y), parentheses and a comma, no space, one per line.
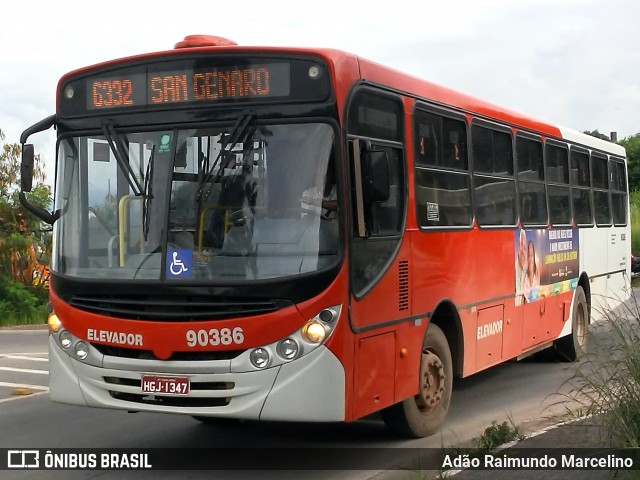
(607,383)
(610,384)
(498,434)
(634,205)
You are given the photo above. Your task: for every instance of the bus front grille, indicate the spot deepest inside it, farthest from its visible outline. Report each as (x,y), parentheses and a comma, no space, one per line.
(122,352)
(179,309)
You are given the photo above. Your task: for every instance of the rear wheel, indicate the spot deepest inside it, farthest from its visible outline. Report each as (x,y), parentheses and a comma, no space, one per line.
(573,346)
(422,415)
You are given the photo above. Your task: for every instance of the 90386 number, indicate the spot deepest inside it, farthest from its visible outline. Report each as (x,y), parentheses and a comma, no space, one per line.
(214,337)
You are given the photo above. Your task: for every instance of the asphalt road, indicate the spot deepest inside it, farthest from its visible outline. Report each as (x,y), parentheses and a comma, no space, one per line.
(530,393)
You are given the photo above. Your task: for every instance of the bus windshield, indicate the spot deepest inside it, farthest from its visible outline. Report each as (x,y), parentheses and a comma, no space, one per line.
(239,202)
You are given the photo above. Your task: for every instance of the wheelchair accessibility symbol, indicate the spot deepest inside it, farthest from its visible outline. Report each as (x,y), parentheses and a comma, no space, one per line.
(178,263)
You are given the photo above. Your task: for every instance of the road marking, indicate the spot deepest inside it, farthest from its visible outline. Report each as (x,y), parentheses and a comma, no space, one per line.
(25,370)
(33,331)
(22,385)
(22,357)
(24,353)
(11,399)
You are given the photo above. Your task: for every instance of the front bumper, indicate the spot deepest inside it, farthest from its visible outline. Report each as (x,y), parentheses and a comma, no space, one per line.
(310,388)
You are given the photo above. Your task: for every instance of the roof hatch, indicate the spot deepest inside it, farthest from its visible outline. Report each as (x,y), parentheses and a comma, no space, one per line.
(204,41)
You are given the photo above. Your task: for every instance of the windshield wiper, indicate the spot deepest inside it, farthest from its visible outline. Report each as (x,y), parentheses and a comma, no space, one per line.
(238,131)
(147,195)
(121,152)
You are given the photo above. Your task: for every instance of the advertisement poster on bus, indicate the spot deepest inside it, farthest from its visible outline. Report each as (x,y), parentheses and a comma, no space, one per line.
(546,262)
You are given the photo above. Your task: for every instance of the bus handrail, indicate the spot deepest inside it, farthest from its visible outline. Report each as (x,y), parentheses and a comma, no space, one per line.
(110,249)
(227,223)
(122,221)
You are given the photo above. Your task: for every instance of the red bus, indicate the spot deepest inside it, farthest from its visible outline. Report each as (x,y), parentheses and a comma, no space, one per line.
(301,234)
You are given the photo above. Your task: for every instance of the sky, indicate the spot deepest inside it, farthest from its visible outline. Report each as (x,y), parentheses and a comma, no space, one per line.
(574,63)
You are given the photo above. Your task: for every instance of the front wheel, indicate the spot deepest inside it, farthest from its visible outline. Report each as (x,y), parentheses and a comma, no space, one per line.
(573,346)
(422,415)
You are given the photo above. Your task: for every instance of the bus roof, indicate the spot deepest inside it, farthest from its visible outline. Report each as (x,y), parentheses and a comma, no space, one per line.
(344,63)
(449,98)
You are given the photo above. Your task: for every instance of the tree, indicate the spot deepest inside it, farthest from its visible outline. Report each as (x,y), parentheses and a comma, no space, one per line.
(632,145)
(597,134)
(17,225)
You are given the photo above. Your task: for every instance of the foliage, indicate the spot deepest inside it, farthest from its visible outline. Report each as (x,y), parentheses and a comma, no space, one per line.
(632,145)
(10,157)
(597,134)
(498,434)
(608,383)
(21,304)
(634,201)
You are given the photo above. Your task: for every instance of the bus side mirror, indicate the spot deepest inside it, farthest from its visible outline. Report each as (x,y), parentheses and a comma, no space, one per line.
(376,176)
(26,167)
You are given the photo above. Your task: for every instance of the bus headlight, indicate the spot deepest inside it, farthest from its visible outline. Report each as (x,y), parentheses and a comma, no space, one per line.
(303,341)
(313,332)
(288,348)
(65,339)
(259,358)
(81,350)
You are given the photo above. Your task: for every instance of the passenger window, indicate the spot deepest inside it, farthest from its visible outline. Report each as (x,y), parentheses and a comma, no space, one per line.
(492,151)
(581,188)
(387,217)
(494,184)
(618,192)
(443,190)
(601,202)
(532,193)
(558,191)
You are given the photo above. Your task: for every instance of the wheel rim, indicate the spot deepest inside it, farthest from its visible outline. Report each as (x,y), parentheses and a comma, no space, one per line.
(581,324)
(432,382)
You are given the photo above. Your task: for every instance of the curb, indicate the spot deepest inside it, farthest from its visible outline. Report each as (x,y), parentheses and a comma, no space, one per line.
(36,326)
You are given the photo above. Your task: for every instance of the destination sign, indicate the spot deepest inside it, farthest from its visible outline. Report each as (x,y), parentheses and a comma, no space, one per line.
(180,86)
(206,80)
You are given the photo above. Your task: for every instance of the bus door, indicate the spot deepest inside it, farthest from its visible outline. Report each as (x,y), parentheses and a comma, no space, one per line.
(379,270)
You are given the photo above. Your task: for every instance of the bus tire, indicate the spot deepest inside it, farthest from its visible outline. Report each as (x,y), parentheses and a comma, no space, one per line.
(423,414)
(573,346)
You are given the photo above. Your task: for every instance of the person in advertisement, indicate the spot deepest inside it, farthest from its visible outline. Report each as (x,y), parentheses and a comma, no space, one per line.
(546,262)
(521,262)
(532,274)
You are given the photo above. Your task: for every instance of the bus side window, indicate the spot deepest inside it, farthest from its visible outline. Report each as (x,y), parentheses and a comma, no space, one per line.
(443,193)
(494,183)
(531,187)
(618,192)
(581,187)
(557,173)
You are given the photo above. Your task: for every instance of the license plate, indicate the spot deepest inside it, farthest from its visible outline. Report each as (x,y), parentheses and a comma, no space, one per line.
(159,385)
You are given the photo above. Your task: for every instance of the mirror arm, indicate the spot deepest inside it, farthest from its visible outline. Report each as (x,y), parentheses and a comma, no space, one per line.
(44,124)
(39,212)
